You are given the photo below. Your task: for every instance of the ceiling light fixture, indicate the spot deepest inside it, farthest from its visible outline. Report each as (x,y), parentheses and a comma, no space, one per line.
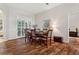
(47,3)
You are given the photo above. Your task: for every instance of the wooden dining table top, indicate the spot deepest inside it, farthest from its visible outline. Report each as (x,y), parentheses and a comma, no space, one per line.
(38,33)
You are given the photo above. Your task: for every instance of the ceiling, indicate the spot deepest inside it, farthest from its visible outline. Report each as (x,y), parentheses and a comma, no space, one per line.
(32,8)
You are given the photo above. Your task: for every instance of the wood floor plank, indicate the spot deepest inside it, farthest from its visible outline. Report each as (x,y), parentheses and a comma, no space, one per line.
(19,47)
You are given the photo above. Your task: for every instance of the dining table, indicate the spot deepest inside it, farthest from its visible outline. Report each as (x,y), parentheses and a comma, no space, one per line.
(39,34)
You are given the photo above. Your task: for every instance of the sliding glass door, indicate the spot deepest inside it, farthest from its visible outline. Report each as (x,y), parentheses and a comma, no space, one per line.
(21,25)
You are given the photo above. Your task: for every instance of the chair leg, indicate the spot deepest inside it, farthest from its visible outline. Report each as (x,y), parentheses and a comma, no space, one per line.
(40,41)
(31,41)
(50,41)
(47,43)
(25,39)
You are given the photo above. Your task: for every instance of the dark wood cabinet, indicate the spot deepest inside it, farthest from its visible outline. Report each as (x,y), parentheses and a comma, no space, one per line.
(73,34)
(58,39)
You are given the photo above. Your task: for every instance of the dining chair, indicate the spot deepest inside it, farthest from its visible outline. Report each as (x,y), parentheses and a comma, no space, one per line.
(47,37)
(27,35)
(45,30)
(33,36)
(37,30)
(50,36)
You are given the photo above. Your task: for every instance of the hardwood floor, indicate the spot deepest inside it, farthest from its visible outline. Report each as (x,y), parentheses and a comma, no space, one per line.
(19,47)
(74,41)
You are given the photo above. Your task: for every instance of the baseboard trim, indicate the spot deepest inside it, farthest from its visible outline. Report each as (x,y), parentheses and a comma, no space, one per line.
(17,38)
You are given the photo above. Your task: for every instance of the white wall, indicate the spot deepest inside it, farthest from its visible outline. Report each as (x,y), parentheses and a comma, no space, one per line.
(11,14)
(74,17)
(63,16)
(5,11)
(59,19)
